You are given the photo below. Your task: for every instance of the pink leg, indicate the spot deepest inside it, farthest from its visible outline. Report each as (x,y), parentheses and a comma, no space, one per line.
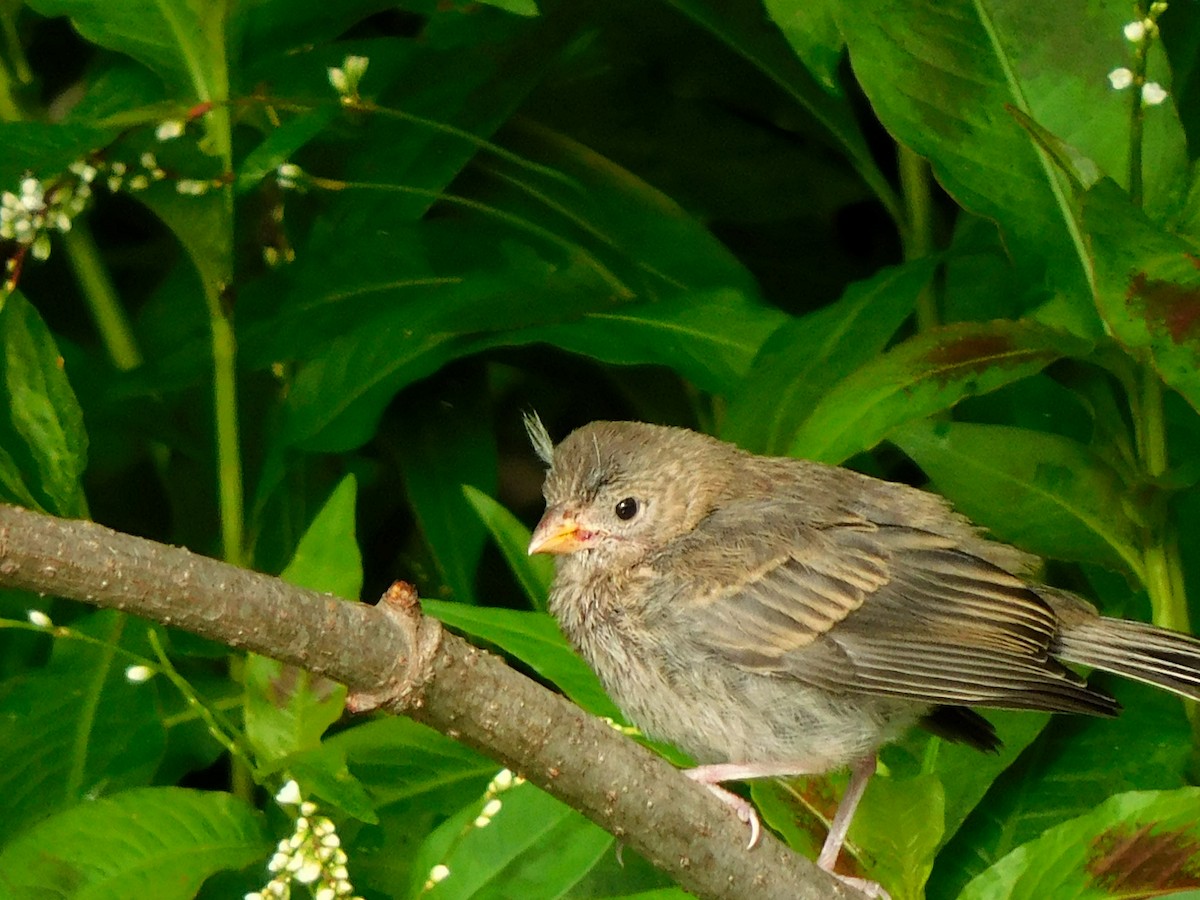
(860,775)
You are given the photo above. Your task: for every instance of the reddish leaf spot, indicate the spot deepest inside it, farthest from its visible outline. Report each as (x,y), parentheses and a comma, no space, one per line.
(1134,864)
(1165,306)
(970,350)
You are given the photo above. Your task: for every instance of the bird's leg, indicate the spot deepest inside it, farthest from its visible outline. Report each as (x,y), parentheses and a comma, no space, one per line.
(860,774)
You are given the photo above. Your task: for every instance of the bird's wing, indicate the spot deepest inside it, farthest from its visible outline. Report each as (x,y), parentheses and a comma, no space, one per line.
(879,609)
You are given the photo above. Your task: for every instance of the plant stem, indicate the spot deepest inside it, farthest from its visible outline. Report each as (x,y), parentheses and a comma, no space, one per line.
(101,298)
(918,235)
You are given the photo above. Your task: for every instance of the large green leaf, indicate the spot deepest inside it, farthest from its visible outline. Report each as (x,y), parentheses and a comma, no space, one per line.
(925,374)
(43,446)
(78,727)
(941,75)
(535,847)
(804,358)
(181,40)
(1044,492)
(149,842)
(746,33)
(650,246)
(901,844)
(1147,287)
(287,709)
(446,442)
(533,573)
(710,338)
(1076,763)
(416,778)
(1140,844)
(535,639)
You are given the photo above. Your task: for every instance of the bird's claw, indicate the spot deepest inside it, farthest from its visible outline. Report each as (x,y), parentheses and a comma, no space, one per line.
(744,809)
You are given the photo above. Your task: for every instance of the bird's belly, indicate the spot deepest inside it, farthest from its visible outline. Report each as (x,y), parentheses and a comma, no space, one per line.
(718,713)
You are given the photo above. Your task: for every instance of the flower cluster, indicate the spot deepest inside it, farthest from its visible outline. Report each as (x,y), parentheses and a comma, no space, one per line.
(505,780)
(312,856)
(42,206)
(30,214)
(1141,33)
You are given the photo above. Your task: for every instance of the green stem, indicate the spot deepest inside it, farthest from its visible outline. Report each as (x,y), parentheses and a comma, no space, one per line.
(918,237)
(101,298)
(229,458)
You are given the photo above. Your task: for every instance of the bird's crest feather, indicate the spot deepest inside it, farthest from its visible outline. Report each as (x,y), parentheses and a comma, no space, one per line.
(539,437)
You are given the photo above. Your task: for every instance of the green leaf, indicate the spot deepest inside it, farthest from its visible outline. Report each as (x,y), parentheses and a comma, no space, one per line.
(1147,287)
(279,146)
(327,558)
(1044,492)
(939,76)
(650,245)
(44,446)
(744,31)
(181,40)
(323,773)
(149,842)
(447,442)
(402,760)
(287,709)
(901,843)
(534,573)
(535,639)
(1140,844)
(708,337)
(925,374)
(1068,770)
(78,727)
(535,846)
(804,358)
(517,7)
(811,28)
(415,778)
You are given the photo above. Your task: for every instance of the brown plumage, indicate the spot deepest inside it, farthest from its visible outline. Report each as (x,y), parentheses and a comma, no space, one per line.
(776,616)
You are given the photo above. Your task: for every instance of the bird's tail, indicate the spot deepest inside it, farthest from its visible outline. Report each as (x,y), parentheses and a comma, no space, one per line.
(1165,659)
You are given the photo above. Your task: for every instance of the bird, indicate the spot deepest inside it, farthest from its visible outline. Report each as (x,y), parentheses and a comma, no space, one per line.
(774,616)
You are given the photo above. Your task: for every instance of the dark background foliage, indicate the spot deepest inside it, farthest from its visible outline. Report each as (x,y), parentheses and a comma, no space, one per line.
(928,240)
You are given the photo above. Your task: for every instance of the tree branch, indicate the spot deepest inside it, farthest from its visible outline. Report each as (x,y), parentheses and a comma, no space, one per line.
(392,655)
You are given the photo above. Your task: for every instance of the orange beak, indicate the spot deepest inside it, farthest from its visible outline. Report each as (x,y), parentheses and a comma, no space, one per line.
(557,532)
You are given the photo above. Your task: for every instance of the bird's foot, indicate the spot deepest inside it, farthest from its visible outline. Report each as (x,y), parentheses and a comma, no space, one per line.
(742,807)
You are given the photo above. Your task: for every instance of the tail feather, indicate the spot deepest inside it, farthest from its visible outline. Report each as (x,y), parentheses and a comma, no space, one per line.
(1156,656)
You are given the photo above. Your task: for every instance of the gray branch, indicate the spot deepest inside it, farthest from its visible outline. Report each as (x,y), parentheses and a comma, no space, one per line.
(391,655)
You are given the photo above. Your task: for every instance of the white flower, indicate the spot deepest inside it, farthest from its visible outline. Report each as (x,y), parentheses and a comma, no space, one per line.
(439,873)
(338,80)
(1120,78)
(138,674)
(1153,93)
(309,872)
(170,129)
(289,794)
(191,187)
(1135,32)
(39,618)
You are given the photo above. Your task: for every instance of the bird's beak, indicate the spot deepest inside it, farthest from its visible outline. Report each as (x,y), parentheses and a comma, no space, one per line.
(557,532)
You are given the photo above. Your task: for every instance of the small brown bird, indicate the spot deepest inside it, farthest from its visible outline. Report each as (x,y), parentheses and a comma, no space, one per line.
(778,617)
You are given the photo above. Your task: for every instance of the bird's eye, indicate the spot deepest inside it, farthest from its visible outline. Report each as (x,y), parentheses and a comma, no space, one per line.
(627,509)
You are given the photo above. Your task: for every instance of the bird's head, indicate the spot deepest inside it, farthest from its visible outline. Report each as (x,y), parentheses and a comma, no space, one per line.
(616,491)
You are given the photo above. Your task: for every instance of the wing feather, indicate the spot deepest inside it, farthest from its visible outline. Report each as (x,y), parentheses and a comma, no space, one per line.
(880,609)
